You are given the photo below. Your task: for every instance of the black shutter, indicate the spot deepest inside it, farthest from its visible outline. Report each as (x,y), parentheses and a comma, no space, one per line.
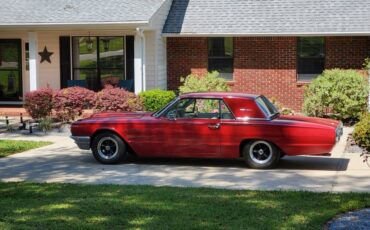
(130,57)
(65,60)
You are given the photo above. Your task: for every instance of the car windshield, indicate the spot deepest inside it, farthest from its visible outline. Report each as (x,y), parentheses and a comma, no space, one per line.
(268,108)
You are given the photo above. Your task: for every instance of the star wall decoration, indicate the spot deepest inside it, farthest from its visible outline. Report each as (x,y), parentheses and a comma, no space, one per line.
(45,55)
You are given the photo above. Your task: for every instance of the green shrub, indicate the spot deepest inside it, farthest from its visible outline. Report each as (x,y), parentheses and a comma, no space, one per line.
(361,134)
(155,99)
(337,93)
(45,124)
(211,82)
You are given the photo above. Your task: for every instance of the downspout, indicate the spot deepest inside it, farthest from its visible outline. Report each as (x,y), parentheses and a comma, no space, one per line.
(140,32)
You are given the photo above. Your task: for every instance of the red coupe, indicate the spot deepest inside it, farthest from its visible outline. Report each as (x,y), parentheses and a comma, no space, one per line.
(207,125)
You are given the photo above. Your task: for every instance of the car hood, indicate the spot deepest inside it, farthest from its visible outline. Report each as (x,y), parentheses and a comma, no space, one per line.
(315,120)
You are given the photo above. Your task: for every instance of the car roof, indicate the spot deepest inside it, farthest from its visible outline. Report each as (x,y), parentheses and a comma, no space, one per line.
(218,95)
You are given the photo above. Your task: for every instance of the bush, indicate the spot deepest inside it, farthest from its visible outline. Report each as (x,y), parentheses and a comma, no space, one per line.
(211,82)
(337,93)
(45,124)
(155,99)
(361,134)
(38,103)
(70,102)
(117,100)
(282,109)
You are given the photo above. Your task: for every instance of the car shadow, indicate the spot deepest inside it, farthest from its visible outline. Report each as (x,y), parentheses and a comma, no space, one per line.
(286,163)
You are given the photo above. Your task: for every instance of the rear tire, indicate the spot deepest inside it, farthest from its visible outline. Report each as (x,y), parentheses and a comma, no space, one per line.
(260,154)
(109,148)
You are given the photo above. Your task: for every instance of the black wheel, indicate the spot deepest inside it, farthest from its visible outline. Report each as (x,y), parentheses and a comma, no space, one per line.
(260,154)
(108,148)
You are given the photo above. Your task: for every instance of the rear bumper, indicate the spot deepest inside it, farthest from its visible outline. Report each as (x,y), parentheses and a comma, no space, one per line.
(82,142)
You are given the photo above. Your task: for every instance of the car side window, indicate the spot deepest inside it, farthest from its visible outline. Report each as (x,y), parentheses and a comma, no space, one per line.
(189,108)
(207,108)
(225,111)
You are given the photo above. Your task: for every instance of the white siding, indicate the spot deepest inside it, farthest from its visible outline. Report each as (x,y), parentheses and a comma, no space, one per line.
(49,73)
(150,60)
(159,43)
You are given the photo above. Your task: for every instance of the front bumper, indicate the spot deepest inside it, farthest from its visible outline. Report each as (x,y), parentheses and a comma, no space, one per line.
(338,131)
(82,142)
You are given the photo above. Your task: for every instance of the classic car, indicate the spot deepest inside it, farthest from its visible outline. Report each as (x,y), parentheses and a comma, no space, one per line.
(207,125)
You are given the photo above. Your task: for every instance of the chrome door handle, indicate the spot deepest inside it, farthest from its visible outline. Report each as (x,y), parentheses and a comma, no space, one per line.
(214,126)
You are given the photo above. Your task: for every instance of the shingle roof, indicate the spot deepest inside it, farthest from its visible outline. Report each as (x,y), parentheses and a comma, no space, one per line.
(268,17)
(19,12)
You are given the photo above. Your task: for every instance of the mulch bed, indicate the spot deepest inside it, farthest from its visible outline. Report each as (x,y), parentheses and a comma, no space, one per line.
(352,147)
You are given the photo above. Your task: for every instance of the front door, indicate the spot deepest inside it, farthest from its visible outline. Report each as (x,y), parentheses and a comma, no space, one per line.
(10,70)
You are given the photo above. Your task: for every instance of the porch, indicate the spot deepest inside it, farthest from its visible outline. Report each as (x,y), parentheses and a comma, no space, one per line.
(54,47)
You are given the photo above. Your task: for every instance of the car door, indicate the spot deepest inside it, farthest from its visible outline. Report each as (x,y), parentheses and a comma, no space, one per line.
(197,127)
(192,129)
(188,128)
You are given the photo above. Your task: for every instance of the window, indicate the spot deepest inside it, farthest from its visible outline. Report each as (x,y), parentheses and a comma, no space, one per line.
(10,70)
(221,56)
(27,56)
(199,108)
(311,58)
(99,60)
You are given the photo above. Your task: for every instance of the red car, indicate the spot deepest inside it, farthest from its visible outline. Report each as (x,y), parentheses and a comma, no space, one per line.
(207,125)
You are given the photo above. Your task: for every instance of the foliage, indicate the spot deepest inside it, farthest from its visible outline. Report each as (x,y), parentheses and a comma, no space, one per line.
(211,82)
(361,133)
(282,109)
(117,100)
(45,124)
(366,64)
(38,103)
(337,93)
(154,100)
(8,147)
(70,102)
(73,206)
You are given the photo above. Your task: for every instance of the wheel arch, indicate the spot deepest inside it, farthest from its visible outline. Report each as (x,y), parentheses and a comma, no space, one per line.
(249,140)
(107,130)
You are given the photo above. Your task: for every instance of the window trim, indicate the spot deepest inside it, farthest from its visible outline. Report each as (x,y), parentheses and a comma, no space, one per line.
(298,58)
(98,68)
(165,110)
(222,57)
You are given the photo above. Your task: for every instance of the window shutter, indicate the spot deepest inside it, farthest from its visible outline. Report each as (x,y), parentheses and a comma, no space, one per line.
(65,60)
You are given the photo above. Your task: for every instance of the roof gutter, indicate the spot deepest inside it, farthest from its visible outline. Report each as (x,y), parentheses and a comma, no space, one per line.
(295,34)
(87,25)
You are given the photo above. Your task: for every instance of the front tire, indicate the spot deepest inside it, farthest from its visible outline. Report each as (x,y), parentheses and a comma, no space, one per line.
(260,154)
(108,148)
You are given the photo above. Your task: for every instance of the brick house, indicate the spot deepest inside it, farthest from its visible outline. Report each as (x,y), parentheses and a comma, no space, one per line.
(271,47)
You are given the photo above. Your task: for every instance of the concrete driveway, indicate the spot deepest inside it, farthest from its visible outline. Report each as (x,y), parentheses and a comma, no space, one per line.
(64,162)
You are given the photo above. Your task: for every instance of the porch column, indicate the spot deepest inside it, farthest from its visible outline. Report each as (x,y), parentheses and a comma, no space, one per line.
(139,61)
(32,42)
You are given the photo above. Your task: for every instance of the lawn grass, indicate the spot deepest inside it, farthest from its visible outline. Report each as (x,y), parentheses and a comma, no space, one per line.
(66,206)
(8,147)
